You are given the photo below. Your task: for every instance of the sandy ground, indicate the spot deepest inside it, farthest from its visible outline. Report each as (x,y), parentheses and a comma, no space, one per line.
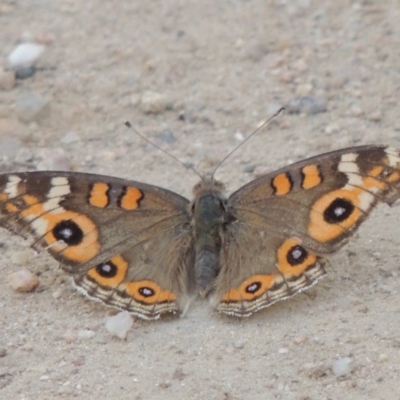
(223,67)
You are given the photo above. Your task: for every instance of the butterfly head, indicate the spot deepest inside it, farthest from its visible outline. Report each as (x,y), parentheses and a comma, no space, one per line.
(209,185)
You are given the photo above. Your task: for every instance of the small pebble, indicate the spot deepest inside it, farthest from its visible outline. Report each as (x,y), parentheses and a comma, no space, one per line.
(383,357)
(154,103)
(3,352)
(356,110)
(249,169)
(307,104)
(239,136)
(7,80)
(86,334)
(239,344)
(256,51)
(31,107)
(300,65)
(119,325)
(286,77)
(109,155)
(332,128)
(315,371)
(78,362)
(25,55)
(283,350)
(376,116)
(23,281)
(178,374)
(300,339)
(239,43)
(65,391)
(167,136)
(21,257)
(44,378)
(68,337)
(304,89)
(70,137)
(57,294)
(342,366)
(25,72)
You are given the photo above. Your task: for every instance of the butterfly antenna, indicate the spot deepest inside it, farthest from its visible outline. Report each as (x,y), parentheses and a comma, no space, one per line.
(248,137)
(129,125)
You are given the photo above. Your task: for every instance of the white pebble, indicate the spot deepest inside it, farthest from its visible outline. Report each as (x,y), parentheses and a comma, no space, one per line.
(57,294)
(86,334)
(332,128)
(70,137)
(342,366)
(283,350)
(25,55)
(119,325)
(23,281)
(239,136)
(383,357)
(154,103)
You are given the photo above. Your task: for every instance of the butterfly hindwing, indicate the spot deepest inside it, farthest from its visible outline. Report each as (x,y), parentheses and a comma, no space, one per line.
(290,219)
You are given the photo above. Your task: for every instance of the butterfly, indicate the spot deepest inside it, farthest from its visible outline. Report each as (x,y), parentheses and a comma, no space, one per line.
(147,250)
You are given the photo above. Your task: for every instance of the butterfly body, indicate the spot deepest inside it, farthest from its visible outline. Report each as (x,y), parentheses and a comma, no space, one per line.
(146,249)
(209,216)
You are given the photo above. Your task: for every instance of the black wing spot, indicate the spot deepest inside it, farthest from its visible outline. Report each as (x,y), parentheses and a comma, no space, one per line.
(107,269)
(338,211)
(146,291)
(254,287)
(69,232)
(296,255)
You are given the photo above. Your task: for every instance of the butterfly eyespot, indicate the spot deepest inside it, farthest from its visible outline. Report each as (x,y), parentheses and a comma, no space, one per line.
(107,269)
(339,210)
(146,291)
(254,287)
(296,255)
(69,232)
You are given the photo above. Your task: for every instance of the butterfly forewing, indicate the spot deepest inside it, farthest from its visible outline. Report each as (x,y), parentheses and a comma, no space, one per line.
(120,239)
(289,219)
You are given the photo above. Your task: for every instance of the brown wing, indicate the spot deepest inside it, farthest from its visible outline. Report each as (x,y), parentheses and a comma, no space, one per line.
(288,220)
(122,240)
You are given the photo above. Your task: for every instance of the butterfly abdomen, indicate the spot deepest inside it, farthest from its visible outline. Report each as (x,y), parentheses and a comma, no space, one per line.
(209,215)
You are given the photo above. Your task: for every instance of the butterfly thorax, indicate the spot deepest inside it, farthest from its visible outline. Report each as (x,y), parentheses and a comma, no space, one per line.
(209,214)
